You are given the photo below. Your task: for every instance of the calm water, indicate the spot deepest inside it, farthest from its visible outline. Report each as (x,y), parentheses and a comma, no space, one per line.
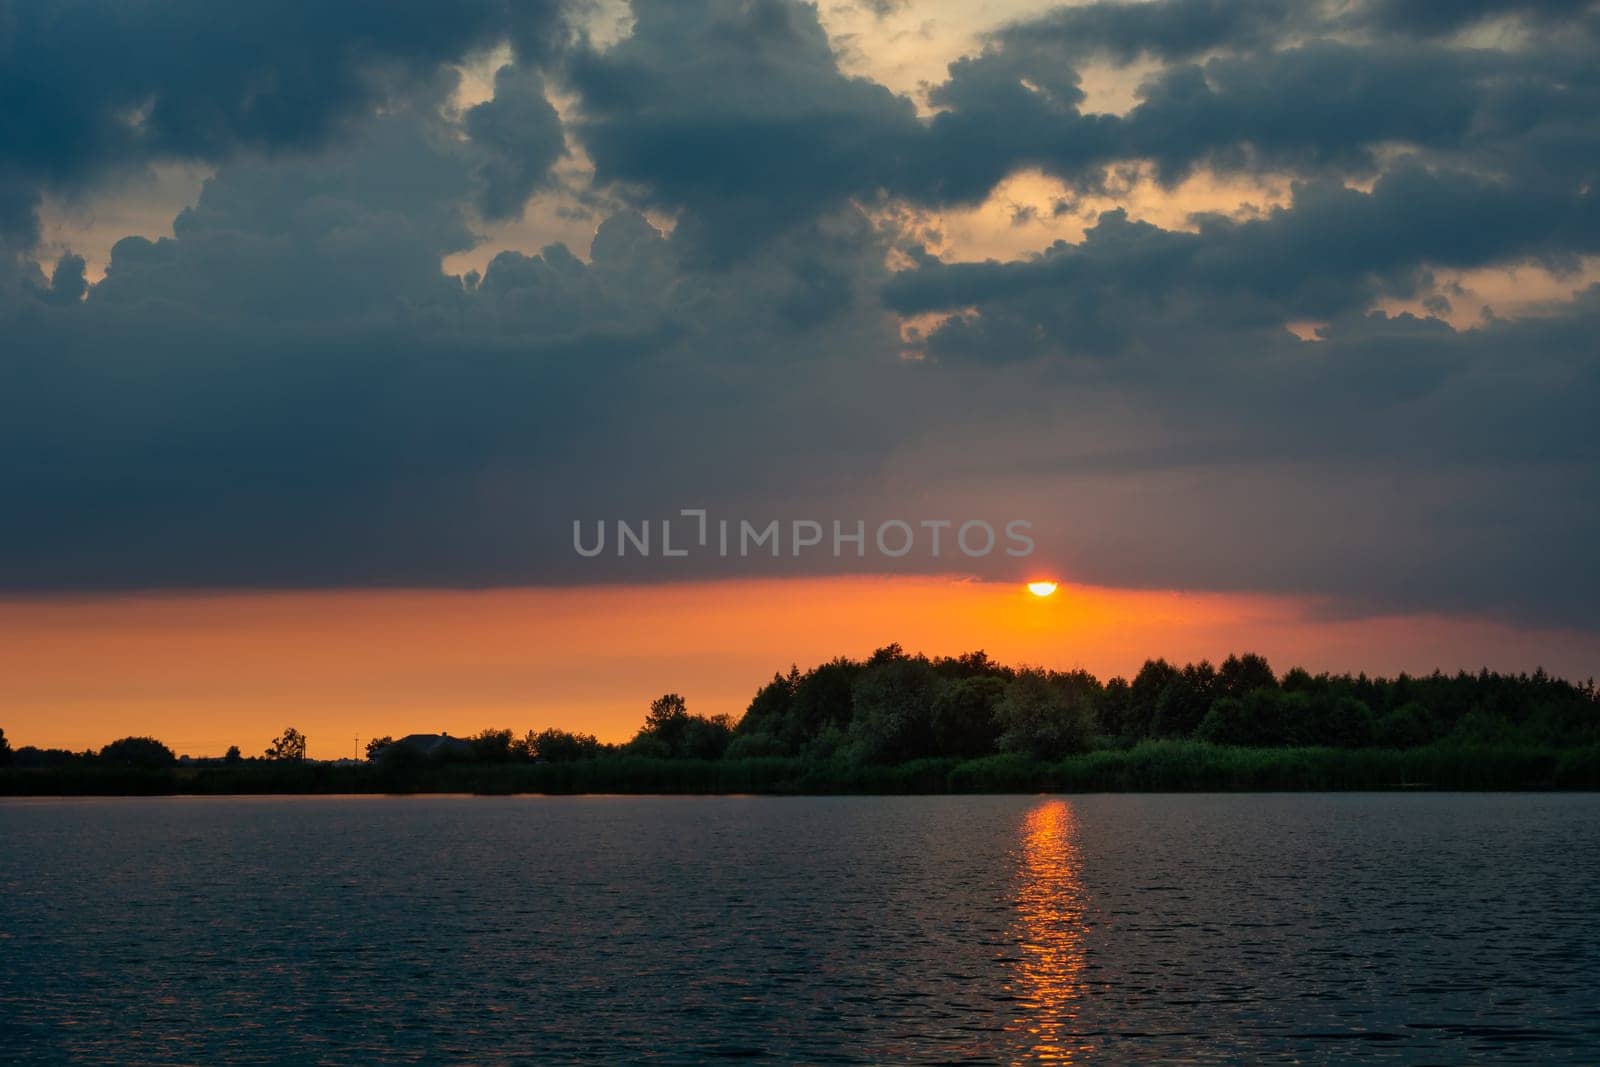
(1303,928)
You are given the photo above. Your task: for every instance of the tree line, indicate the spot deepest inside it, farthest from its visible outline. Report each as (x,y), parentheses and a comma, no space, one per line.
(145,753)
(895,707)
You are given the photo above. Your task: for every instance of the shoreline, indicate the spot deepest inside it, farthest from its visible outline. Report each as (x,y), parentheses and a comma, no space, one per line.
(1151,767)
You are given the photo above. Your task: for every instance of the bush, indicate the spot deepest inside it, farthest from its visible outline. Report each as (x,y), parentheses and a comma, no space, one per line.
(144,752)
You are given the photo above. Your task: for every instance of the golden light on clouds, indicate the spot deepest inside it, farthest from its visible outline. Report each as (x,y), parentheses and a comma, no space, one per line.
(1030,210)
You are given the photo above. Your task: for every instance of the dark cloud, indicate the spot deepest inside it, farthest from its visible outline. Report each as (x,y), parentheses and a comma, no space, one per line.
(91,85)
(736,113)
(736,117)
(520,134)
(1163,29)
(1183,30)
(290,390)
(1422,18)
(1332,251)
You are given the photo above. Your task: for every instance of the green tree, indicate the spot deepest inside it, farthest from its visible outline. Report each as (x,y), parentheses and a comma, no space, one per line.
(964,716)
(1225,723)
(1338,722)
(754,746)
(1112,715)
(1184,700)
(823,697)
(892,718)
(1407,726)
(1144,697)
(1044,719)
(1264,718)
(769,722)
(289,745)
(138,752)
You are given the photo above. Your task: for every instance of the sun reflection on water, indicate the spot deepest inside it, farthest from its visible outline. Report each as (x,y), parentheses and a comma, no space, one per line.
(1050,934)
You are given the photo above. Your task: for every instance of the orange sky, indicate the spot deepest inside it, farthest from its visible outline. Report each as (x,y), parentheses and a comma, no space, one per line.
(203,671)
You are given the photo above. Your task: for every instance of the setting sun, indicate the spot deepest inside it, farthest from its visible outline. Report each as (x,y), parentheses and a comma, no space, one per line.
(1041,588)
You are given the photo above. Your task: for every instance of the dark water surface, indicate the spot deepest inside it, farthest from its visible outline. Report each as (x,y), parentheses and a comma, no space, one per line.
(1241,928)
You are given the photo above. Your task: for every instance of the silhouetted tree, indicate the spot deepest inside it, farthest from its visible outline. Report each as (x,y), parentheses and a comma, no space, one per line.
(971,665)
(1239,676)
(817,713)
(1113,713)
(769,725)
(1298,680)
(1184,700)
(232,755)
(491,746)
(377,745)
(705,738)
(669,731)
(1144,696)
(664,725)
(5,750)
(823,698)
(559,746)
(289,745)
(139,752)
(887,654)
(30,757)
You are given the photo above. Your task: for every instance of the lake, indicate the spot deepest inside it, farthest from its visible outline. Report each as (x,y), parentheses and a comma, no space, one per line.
(1426,928)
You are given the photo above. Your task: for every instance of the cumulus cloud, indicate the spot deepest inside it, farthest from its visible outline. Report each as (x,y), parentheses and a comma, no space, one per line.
(520,135)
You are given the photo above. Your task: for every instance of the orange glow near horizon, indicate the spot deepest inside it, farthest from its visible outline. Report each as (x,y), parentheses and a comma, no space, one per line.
(203,671)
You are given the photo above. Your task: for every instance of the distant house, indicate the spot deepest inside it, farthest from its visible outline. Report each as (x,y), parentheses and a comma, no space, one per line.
(427,746)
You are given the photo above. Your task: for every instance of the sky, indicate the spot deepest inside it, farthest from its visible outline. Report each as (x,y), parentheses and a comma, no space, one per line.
(323,324)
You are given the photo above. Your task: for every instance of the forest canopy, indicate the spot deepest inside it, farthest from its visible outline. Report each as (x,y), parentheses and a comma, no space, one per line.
(899,721)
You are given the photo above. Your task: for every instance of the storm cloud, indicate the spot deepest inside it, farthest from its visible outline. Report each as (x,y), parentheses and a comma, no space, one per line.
(292,390)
